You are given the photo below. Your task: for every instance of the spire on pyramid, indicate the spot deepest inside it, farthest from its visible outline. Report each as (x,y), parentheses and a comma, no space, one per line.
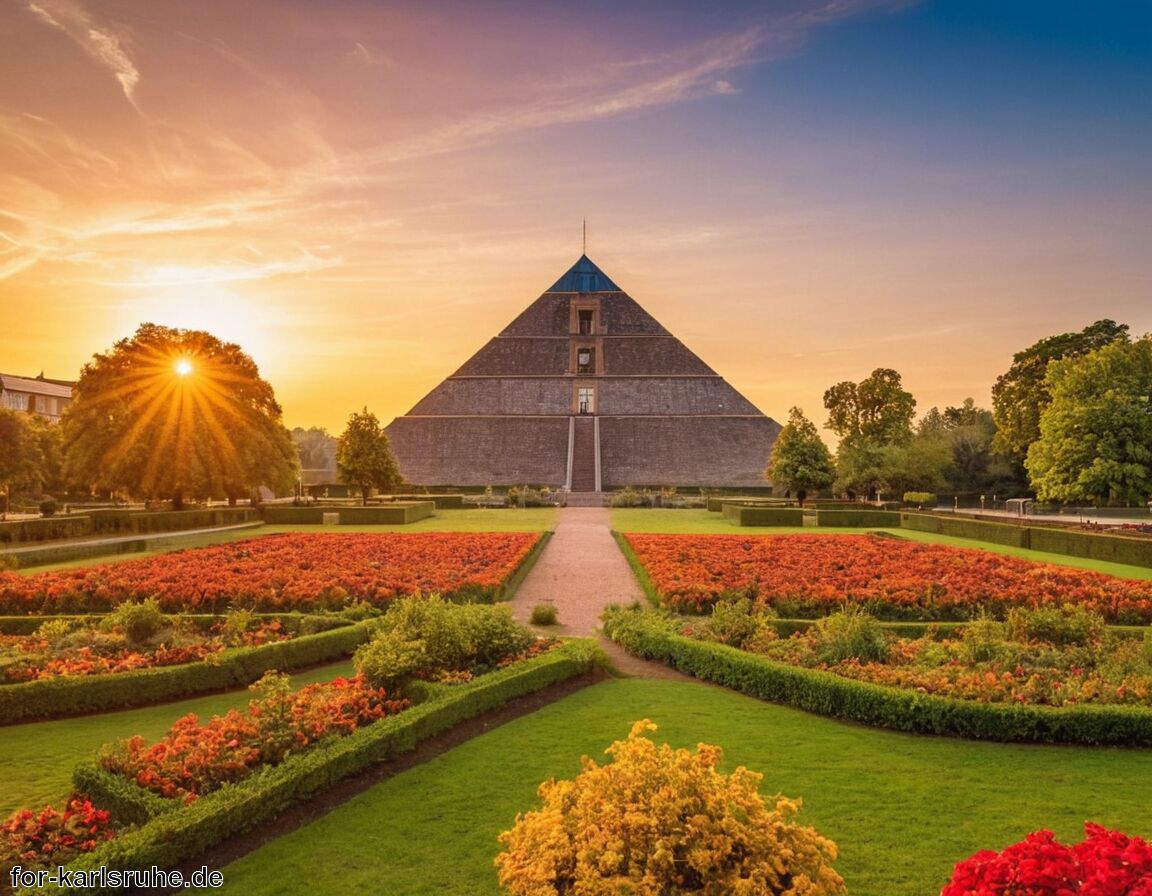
(584,276)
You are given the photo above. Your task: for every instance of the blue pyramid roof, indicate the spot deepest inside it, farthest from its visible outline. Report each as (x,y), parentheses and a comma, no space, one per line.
(584,276)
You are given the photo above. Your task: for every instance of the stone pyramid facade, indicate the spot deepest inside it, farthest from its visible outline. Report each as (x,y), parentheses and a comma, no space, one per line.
(586,391)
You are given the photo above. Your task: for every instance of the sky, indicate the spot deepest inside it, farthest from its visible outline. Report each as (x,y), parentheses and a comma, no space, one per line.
(361,193)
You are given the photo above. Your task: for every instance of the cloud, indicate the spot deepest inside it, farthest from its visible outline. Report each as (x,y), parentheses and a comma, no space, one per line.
(102,44)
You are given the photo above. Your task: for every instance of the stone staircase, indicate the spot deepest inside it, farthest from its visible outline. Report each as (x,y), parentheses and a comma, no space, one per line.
(583,455)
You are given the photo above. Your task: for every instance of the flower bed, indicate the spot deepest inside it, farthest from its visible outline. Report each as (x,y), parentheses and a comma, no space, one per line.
(812,575)
(1047,657)
(88,651)
(306,572)
(193,759)
(50,836)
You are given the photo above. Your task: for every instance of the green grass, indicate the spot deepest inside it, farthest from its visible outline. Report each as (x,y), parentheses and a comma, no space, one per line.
(513,519)
(701,522)
(36,759)
(903,809)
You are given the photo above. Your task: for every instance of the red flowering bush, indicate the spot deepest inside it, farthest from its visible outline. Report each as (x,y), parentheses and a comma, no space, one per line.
(193,759)
(1105,863)
(50,836)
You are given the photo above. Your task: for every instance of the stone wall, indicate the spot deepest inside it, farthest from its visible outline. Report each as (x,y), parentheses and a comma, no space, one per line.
(650,355)
(481,450)
(518,356)
(498,396)
(685,451)
(703,395)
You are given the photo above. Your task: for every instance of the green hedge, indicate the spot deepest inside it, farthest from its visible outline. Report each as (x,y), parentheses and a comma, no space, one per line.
(77,550)
(902,710)
(1094,546)
(858,518)
(963,527)
(715,504)
(442,502)
(46,529)
(133,522)
(173,837)
(747,515)
(385,515)
(75,695)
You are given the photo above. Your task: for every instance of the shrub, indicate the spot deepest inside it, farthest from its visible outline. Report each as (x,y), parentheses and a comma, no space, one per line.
(139,622)
(920,499)
(852,633)
(1059,625)
(544,614)
(735,622)
(661,822)
(982,640)
(48,507)
(1105,863)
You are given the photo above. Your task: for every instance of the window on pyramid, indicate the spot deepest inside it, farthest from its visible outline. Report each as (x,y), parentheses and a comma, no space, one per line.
(585,360)
(584,319)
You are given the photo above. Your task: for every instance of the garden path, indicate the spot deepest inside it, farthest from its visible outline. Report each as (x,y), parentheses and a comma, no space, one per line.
(580,572)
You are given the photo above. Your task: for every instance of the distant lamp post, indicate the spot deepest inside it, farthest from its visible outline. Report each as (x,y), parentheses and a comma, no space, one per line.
(981,503)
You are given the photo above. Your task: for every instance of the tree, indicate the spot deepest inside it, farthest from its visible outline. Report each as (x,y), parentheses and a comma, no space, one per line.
(876,410)
(1096,432)
(662,822)
(870,417)
(317,449)
(20,455)
(175,414)
(800,460)
(364,457)
(1020,394)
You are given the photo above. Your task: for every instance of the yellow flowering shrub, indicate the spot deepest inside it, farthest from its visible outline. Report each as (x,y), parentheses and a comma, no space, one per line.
(659,822)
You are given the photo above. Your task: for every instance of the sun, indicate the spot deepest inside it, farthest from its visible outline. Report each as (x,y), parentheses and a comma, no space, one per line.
(183,367)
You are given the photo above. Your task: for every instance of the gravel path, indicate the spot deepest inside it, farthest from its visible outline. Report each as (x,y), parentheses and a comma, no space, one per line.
(580,572)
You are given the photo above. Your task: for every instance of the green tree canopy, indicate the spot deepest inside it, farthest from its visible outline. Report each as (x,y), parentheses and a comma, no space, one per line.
(364,456)
(875,411)
(20,455)
(1020,394)
(175,414)
(317,449)
(800,460)
(1096,432)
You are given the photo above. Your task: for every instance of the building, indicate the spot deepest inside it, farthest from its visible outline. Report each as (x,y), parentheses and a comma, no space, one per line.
(587,391)
(44,397)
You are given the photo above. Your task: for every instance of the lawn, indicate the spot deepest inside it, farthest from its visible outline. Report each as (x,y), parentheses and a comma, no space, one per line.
(36,759)
(903,809)
(512,519)
(691,522)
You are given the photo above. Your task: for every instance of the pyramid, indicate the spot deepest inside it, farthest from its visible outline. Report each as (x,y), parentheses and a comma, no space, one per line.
(584,390)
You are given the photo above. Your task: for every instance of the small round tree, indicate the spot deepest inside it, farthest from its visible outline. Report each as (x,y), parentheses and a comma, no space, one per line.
(661,822)
(800,460)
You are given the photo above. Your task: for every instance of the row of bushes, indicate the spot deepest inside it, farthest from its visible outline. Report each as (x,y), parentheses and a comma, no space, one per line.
(760,515)
(397,514)
(74,550)
(170,837)
(647,635)
(75,695)
(120,522)
(1091,545)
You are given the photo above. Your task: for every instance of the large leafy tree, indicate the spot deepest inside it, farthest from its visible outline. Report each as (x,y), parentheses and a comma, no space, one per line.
(20,455)
(176,414)
(364,456)
(1095,439)
(800,460)
(871,417)
(1020,394)
(317,449)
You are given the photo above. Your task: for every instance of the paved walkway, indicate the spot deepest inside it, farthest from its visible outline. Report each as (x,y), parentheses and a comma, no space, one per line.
(580,572)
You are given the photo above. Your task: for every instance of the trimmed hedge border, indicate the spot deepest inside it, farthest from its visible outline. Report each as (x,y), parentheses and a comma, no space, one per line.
(514,581)
(1050,539)
(397,514)
(858,518)
(176,836)
(50,698)
(638,570)
(14,532)
(827,694)
(79,550)
(753,515)
(442,502)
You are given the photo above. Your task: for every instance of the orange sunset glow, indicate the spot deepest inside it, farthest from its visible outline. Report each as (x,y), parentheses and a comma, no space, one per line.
(360,194)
